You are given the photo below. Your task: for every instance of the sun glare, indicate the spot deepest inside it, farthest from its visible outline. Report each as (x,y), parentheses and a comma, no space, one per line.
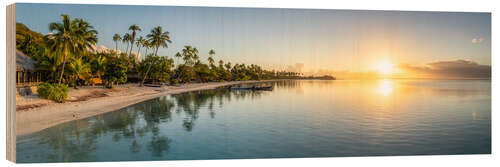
(385,67)
(385,87)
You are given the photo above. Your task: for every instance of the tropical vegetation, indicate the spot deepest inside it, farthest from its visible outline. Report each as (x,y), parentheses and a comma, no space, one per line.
(69,56)
(56,92)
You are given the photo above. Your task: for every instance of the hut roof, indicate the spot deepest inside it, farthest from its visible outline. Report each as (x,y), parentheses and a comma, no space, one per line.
(24,62)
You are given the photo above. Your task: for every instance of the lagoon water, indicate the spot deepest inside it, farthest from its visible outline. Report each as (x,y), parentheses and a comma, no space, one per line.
(306,118)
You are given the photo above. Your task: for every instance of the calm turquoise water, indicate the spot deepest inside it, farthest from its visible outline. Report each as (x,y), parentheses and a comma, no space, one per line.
(296,119)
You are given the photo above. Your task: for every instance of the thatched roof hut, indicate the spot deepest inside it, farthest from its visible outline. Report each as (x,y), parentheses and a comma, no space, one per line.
(26,73)
(23,62)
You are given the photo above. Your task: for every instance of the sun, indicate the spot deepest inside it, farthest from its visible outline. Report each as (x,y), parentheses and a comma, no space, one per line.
(385,67)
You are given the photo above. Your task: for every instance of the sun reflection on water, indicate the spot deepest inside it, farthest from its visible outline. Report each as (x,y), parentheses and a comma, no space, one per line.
(385,87)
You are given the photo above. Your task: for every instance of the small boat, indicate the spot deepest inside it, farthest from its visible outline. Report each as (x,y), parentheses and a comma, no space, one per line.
(265,88)
(268,88)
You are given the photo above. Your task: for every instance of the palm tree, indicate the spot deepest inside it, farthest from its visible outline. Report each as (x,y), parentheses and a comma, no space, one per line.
(116,38)
(87,36)
(146,45)
(133,28)
(50,61)
(189,55)
(195,55)
(98,64)
(126,39)
(139,43)
(228,66)
(27,44)
(79,70)
(221,64)
(70,37)
(178,55)
(211,52)
(157,38)
(210,59)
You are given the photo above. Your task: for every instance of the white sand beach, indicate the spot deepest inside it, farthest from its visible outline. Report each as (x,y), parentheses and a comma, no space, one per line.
(35,114)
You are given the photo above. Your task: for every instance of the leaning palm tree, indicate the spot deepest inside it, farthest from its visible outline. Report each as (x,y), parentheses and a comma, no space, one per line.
(146,45)
(116,38)
(126,39)
(139,43)
(65,39)
(134,28)
(156,38)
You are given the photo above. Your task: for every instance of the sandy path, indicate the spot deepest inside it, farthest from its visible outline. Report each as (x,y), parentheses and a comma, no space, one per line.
(51,114)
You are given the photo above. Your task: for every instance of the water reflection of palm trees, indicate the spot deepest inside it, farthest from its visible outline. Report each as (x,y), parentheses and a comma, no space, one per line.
(154,112)
(69,143)
(78,140)
(158,145)
(190,103)
(289,84)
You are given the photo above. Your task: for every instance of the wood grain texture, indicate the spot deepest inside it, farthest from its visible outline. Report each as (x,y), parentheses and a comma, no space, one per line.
(11,83)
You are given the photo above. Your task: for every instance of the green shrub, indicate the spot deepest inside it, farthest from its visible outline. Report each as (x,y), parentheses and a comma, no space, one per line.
(174,81)
(56,92)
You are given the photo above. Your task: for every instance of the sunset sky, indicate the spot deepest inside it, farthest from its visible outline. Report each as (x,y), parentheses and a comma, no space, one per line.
(343,43)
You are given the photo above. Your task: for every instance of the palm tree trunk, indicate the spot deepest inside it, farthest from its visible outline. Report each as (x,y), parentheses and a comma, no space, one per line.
(138,51)
(145,75)
(149,68)
(156,52)
(116,49)
(127,48)
(131,46)
(62,70)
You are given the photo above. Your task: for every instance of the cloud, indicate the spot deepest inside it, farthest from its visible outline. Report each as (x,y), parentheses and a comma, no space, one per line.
(477,40)
(450,69)
(454,69)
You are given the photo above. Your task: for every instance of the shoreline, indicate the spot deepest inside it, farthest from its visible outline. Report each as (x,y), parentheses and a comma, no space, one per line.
(51,114)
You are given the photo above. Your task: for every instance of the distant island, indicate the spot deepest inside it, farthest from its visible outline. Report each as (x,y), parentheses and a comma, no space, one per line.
(324,77)
(311,77)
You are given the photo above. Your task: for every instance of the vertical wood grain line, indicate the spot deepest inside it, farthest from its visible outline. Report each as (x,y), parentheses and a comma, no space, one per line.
(11,83)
